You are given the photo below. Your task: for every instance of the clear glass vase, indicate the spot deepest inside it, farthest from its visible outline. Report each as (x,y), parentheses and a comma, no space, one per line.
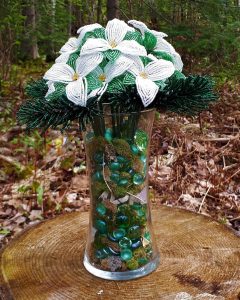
(120,241)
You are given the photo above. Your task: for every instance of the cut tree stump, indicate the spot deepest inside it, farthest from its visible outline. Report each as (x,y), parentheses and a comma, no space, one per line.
(200,259)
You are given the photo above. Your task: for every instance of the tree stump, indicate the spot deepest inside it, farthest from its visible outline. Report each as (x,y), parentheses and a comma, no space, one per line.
(200,259)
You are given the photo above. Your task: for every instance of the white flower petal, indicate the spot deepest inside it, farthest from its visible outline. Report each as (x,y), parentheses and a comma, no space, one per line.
(117,68)
(63,58)
(77,92)
(70,46)
(94,45)
(159,70)
(159,34)
(137,67)
(163,45)
(98,91)
(116,31)
(178,64)
(60,72)
(147,90)
(152,57)
(51,88)
(139,25)
(143,27)
(84,29)
(85,64)
(131,48)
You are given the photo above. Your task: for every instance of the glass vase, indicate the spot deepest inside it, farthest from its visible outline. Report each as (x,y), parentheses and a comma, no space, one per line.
(120,240)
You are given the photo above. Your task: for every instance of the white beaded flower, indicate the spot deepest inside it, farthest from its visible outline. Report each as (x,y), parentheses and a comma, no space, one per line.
(146,76)
(101,77)
(162,44)
(114,40)
(73,43)
(74,79)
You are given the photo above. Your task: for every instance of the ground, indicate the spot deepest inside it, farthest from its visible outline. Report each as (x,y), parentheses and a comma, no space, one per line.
(194,164)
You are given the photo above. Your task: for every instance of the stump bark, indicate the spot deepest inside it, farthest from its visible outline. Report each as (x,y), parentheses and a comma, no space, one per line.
(200,259)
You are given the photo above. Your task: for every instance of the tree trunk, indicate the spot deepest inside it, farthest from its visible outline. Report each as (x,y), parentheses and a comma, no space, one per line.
(198,257)
(112,9)
(29,44)
(99,11)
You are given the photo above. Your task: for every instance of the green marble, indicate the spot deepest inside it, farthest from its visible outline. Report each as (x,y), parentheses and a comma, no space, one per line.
(134,232)
(141,213)
(122,159)
(126,254)
(142,261)
(134,149)
(123,182)
(136,206)
(138,179)
(98,176)
(119,233)
(101,209)
(132,264)
(122,220)
(101,226)
(114,166)
(108,135)
(125,243)
(141,139)
(115,177)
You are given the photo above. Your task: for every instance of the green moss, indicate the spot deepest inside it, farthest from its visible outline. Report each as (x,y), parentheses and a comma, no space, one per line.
(97,144)
(137,164)
(98,188)
(125,175)
(118,191)
(122,148)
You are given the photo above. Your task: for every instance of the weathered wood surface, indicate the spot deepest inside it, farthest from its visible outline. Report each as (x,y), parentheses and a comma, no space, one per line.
(198,256)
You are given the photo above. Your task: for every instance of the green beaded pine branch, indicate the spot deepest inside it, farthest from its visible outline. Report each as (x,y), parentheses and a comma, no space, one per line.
(186,96)
(57,112)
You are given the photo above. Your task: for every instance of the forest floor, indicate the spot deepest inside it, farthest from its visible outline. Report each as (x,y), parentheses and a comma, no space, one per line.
(194,163)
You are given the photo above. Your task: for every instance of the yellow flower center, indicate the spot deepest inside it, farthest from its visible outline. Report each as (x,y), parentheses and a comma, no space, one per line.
(75,76)
(113,44)
(143,75)
(102,77)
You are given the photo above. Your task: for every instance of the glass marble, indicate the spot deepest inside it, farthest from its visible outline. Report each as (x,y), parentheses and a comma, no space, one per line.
(122,220)
(134,232)
(136,243)
(101,209)
(126,254)
(119,233)
(134,149)
(98,176)
(101,226)
(141,140)
(138,179)
(115,177)
(123,182)
(114,166)
(108,135)
(125,243)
